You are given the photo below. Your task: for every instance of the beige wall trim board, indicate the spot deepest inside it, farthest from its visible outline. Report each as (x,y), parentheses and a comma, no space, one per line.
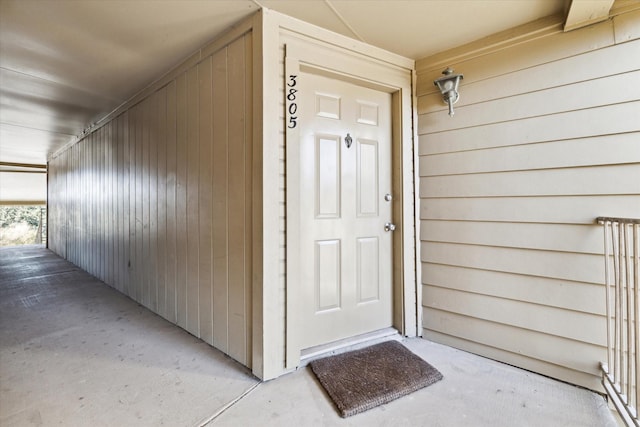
(586,12)
(496,42)
(526,33)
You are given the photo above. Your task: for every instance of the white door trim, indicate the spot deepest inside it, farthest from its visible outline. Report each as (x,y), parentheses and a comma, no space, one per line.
(364,71)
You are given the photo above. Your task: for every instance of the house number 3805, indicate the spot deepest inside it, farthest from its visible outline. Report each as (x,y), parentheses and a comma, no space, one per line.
(292,106)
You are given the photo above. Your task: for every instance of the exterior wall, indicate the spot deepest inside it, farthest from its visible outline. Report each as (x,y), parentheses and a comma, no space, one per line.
(157,201)
(546,137)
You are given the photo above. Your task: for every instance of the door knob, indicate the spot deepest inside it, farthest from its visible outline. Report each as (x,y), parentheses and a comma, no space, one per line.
(389,226)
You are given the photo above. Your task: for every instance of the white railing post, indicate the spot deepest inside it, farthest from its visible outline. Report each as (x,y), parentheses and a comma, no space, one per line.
(621,373)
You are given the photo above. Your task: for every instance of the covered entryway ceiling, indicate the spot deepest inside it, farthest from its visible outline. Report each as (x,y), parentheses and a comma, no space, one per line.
(65,64)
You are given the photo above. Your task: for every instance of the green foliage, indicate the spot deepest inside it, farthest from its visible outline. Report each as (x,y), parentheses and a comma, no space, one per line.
(19,225)
(15,214)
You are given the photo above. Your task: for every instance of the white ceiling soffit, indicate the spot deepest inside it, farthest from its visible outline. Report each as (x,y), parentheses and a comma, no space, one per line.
(65,64)
(23,188)
(417,28)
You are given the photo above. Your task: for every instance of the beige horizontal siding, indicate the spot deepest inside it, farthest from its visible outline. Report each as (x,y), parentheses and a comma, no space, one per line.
(572,238)
(538,290)
(550,182)
(544,140)
(538,209)
(157,201)
(529,157)
(579,326)
(605,120)
(556,265)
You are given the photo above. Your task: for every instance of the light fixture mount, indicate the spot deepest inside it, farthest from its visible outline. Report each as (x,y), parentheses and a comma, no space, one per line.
(448,85)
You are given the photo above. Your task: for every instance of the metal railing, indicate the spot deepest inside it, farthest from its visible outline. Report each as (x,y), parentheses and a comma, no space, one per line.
(620,374)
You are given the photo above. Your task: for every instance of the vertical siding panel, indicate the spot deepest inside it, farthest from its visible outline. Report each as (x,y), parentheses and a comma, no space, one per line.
(205,201)
(107,204)
(97,223)
(153,203)
(108,217)
(248,194)
(161,242)
(109,146)
(181,199)
(102,208)
(60,215)
(90,187)
(146,228)
(96,154)
(59,206)
(101,217)
(237,315)
(128,179)
(94,246)
(95,201)
(90,192)
(62,204)
(193,163)
(171,202)
(76,196)
(93,175)
(84,187)
(138,282)
(113,129)
(220,196)
(103,221)
(56,206)
(76,200)
(122,204)
(82,199)
(86,199)
(52,199)
(119,209)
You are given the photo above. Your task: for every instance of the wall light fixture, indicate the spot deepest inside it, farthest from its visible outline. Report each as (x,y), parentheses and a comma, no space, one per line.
(448,86)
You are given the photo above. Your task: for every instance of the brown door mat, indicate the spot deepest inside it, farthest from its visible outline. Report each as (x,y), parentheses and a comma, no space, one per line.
(363,379)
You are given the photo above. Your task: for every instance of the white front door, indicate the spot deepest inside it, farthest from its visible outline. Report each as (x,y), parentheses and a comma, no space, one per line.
(345,203)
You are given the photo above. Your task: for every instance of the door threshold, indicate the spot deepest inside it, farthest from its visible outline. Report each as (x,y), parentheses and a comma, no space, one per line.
(347,344)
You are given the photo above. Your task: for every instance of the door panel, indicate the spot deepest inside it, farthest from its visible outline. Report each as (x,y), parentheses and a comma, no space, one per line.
(345,172)
(327,176)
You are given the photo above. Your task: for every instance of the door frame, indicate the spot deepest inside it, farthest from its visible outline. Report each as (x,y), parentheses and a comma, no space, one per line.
(328,61)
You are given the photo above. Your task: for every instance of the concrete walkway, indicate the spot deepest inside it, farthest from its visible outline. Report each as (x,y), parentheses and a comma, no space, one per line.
(75,352)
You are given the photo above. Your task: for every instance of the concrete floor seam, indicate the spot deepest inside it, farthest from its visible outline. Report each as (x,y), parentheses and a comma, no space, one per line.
(222,410)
